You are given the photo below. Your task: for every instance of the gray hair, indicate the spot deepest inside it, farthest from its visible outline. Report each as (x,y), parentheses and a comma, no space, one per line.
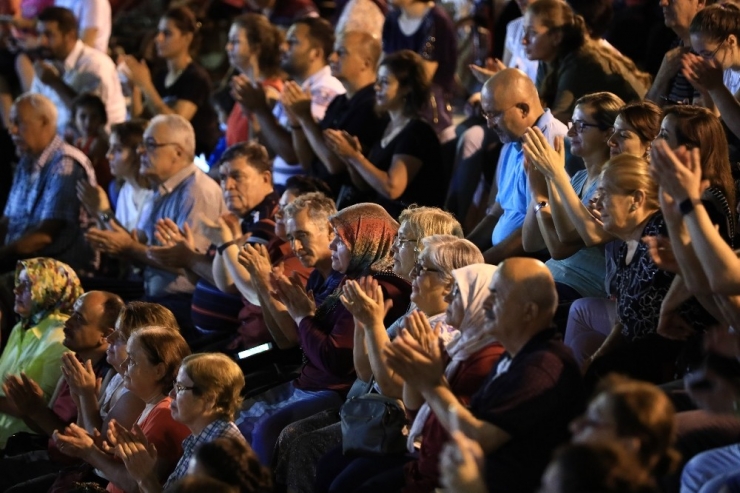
(319,207)
(448,252)
(41,105)
(182,130)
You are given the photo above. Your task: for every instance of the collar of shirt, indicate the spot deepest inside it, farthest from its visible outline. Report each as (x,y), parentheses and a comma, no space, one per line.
(212,430)
(74,56)
(45,155)
(173,181)
(325,71)
(263,210)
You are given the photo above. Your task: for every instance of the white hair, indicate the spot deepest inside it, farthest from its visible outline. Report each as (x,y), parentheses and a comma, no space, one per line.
(181,131)
(41,105)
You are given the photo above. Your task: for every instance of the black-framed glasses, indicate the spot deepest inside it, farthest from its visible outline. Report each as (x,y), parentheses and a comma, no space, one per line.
(455,291)
(580,125)
(180,388)
(151,145)
(714,53)
(495,115)
(421,269)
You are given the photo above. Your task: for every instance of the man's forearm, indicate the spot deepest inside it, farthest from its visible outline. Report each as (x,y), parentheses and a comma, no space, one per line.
(510,247)
(65,93)
(46,420)
(315,138)
(202,266)
(276,137)
(27,245)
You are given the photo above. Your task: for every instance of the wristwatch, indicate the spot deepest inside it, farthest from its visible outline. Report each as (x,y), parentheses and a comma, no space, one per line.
(105,216)
(540,205)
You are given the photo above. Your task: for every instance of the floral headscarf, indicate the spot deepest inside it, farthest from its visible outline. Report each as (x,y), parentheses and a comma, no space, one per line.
(369,231)
(54,287)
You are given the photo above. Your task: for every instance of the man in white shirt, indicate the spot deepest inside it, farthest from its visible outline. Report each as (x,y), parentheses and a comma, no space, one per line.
(94,17)
(70,68)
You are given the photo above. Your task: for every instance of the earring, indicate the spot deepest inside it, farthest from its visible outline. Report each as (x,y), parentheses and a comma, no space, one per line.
(633,208)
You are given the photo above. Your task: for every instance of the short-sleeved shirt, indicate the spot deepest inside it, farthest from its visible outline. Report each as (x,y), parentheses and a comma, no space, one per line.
(357,117)
(131,204)
(182,198)
(532,397)
(91,14)
(193,85)
(45,189)
(513,192)
(428,187)
(37,351)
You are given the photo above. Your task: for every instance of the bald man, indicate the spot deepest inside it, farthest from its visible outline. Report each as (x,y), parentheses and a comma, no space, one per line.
(510,104)
(43,216)
(353,63)
(522,411)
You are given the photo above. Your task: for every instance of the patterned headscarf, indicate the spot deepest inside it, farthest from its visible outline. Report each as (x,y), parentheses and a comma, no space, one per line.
(368,230)
(54,287)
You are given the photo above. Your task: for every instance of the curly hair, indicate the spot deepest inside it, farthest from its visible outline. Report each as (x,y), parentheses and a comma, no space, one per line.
(318,206)
(408,68)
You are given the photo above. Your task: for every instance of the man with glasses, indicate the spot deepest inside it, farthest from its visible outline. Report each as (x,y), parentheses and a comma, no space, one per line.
(183,196)
(511,105)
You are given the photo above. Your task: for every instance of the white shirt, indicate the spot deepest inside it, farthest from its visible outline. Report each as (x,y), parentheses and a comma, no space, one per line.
(130,204)
(513,43)
(86,70)
(324,87)
(91,14)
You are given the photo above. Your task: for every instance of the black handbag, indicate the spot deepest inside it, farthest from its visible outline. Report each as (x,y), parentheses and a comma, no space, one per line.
(373,424)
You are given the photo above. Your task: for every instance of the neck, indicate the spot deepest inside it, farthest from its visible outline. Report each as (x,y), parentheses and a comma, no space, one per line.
(324,267)
(313,69)
(397,115)
(416,9)
(523,337)
(594,164)
(683,34)
(355,85)
(431,307)
(35,153)
(179,62)
(94,355)
(154,398)
(197,428)
(635,234)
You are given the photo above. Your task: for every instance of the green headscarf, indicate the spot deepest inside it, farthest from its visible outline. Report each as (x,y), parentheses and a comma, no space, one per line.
(54,287)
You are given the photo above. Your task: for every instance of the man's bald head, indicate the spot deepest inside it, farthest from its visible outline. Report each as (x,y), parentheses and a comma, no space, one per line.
(512,84)
(367,46)
(532,282)
(511,104)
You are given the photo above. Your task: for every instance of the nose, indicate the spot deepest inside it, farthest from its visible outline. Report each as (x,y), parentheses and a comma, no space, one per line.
(572,130)
(333,58)
(229,183)
(611,142)
(663,3)
(173,392)
(525,41)
(228,46)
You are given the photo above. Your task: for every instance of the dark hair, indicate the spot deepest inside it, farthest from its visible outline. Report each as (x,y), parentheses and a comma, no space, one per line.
(137,314)
(65,19)
(644,117)
(597,14)
(301,184)
(320,33)
(88,100)
(268,37)
(183,18)
(235,463)
(605,106)
(255,155)
(112,307)
(221,99)
(717,22)
(131,132)
(166,346)
(407,66)
(199,484)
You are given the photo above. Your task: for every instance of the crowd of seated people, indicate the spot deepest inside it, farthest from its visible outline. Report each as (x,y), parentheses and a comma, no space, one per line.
(338,281)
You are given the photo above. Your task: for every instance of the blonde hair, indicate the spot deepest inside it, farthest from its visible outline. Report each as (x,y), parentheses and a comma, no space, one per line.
(631,173)
(448,253)
(427,221)
(218,376)
(137,314)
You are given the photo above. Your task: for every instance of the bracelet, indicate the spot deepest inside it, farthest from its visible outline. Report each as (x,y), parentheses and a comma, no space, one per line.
(686,207)
(220,249)
(540,206)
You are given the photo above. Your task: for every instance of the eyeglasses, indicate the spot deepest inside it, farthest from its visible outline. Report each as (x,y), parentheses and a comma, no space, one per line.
(400,242)
(712,54)
(455,291)
(495,115)
(580,125)
(151,145)
(179,388)
(420,269)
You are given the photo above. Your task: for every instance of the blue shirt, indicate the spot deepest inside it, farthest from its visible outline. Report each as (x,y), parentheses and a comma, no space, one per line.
(513,194)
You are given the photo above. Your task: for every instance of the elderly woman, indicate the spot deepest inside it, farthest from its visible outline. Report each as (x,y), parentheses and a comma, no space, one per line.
(205,397)
(363,235)
(154,357)
(45,292)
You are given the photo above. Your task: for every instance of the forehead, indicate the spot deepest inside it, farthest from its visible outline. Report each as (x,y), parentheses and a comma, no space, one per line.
(236,31)
(183,378)
(620,124)
(23,275)
(239,165)
(531,21)
(669,122)
(405,230)
(286,198)
(582,112)
(156,131)
(298,32)
(47,26)
(384,72)
(301,222)
(166,24)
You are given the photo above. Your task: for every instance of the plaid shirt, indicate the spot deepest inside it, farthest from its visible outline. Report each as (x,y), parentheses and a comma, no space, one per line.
(218,429)
(44,189)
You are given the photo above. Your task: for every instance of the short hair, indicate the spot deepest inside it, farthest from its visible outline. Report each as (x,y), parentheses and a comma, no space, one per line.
(65,19)
(183,18)
(253,153)
(88,100)
(263,34)
(408,67)
(645,117)
(605,106)
(318,206)
(198,484)
(41,105)
(137,314)
(130,132)
(112,305)
(425,221)
(448,253)
(301,184)
(320,33)
(370,46)
(163,345)
(218,376)
(182,129)
(717,22)
(629,172)
(235,463)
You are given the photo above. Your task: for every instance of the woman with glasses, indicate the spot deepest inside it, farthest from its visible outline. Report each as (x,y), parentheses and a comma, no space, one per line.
(154,357)
(571,64)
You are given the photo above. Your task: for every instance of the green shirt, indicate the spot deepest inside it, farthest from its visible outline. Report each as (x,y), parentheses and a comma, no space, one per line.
(37,352)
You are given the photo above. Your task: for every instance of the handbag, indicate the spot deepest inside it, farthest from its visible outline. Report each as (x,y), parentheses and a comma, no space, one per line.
(373,424)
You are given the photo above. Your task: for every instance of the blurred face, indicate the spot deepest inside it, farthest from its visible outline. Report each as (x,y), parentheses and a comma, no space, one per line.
(404,251)
(625,140)
(597,424)
(346,62)
(503,116)
(23,302)
(30,131)
(243,186)
(387,90)
(160,155)
(309,242)
(237,48)
(586,138)
(428,284)
(501,306)
(455,310)
(668,129)
(82,330)
(188,405)
(280,227)
(53,44)
(296,51)
(679,13)
(139,374)
(116,353)
(88,121)
(341,254)
(123,161)
(539,42)
(711,49)
(170,41)
(614,205)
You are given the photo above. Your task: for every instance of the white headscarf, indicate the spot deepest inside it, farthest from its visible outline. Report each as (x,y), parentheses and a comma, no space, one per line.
(472,281)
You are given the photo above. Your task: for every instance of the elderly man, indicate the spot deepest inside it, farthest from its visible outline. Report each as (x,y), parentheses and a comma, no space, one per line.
(43,216)
(71,68)
(510,104)
(353,63)
(184,195)
(522,411)
(309,43)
